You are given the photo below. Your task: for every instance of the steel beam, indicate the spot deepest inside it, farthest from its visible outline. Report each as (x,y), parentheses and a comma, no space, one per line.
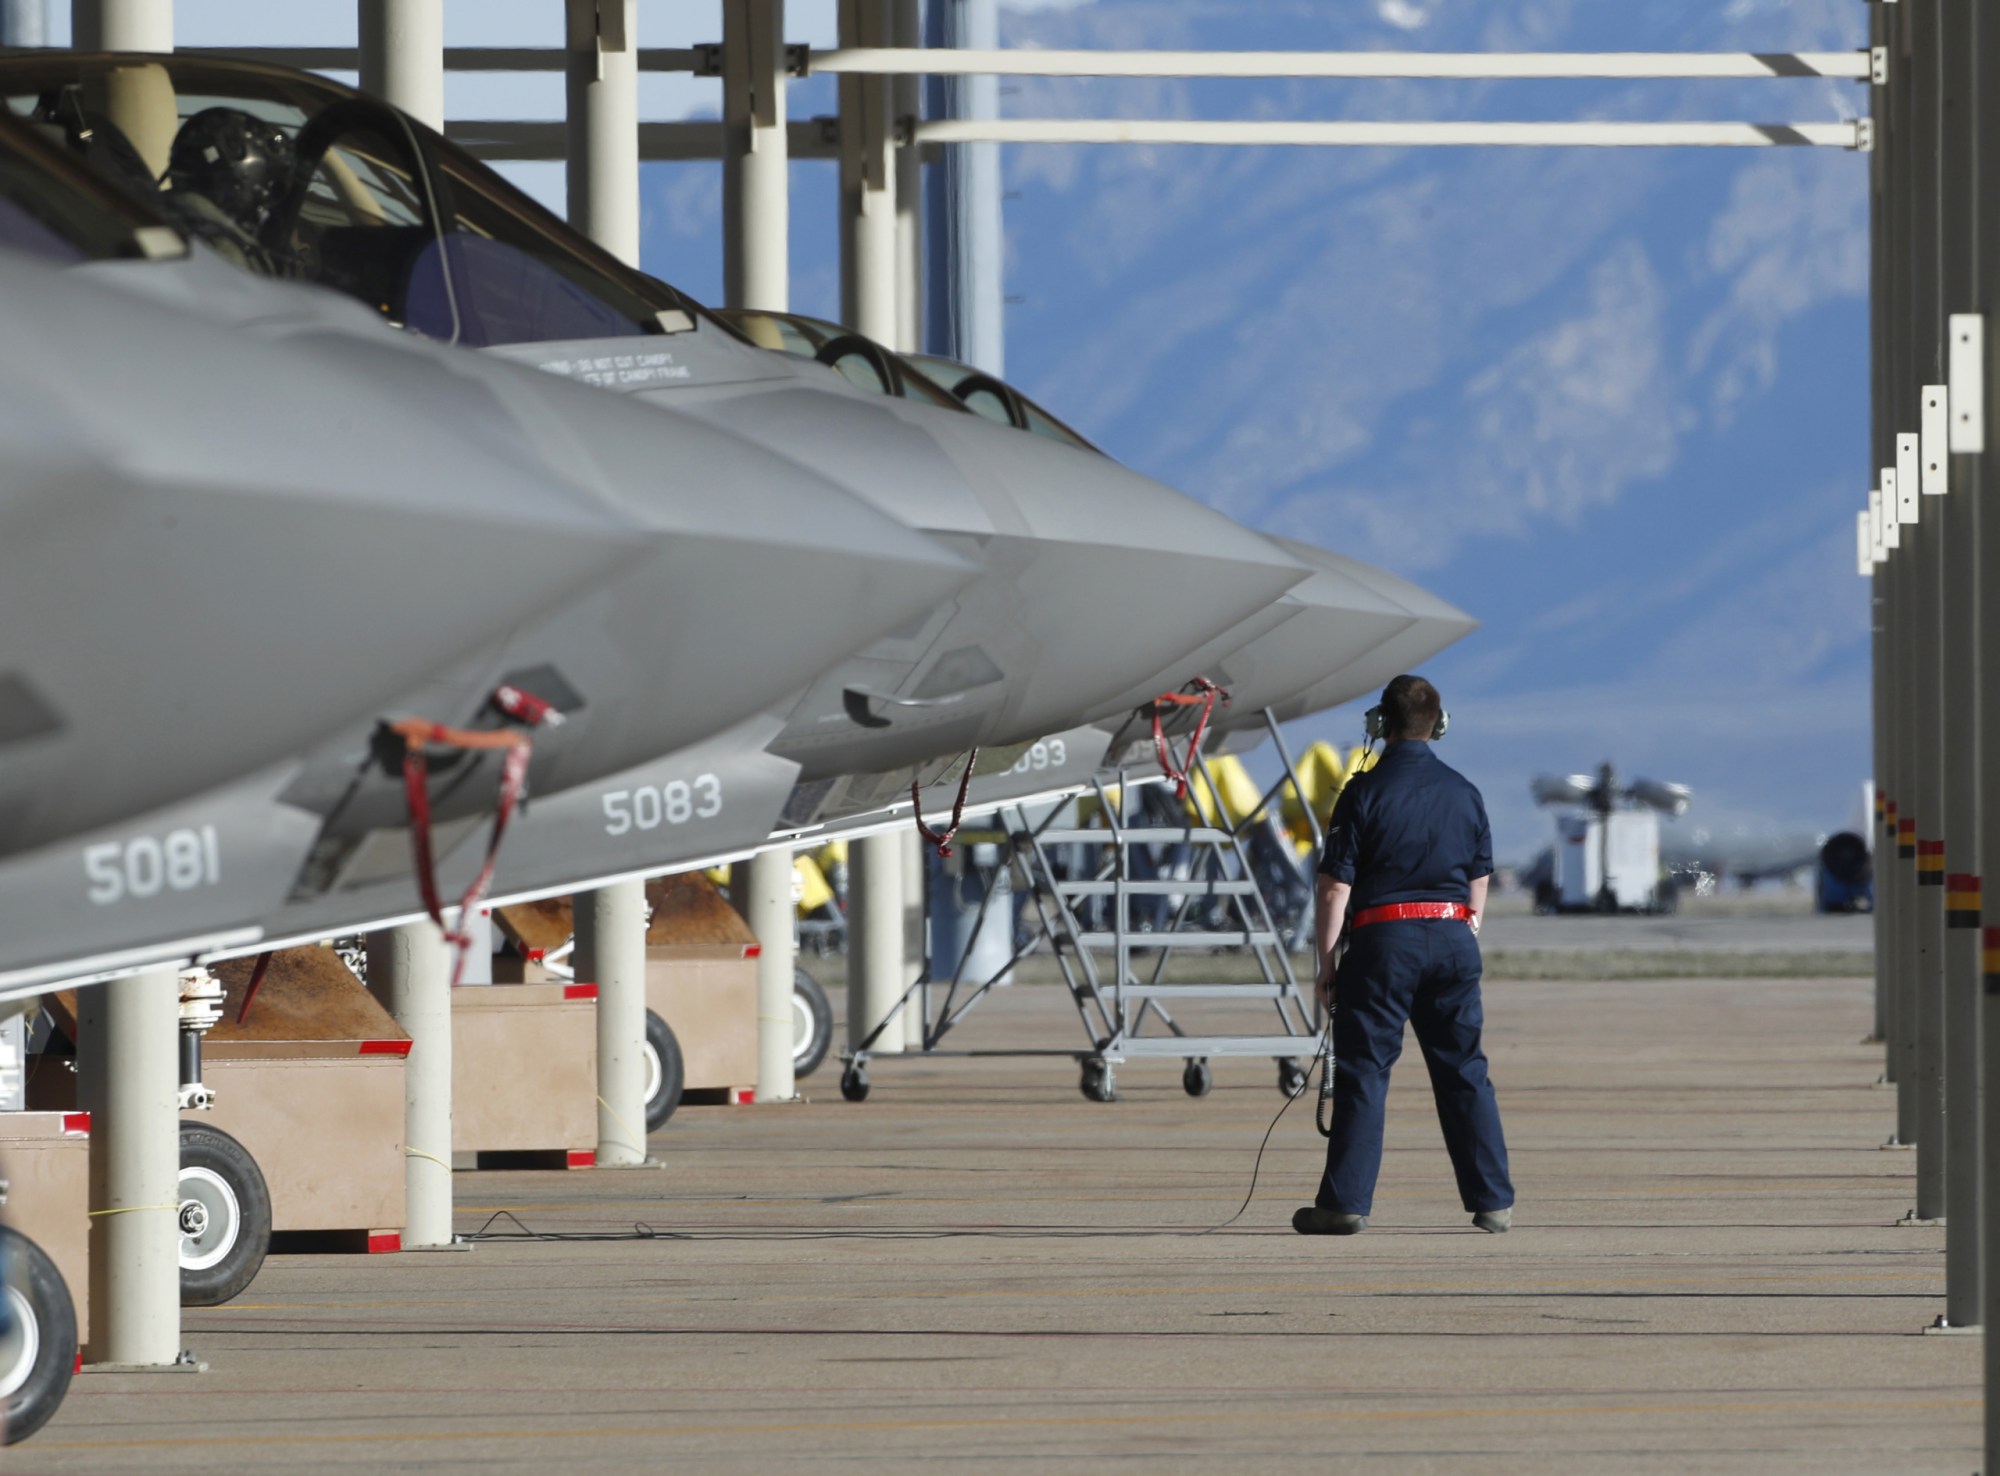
(1854,134)
(1477,65)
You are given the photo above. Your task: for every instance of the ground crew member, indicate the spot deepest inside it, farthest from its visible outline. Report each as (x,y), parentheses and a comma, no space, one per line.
(1408,856)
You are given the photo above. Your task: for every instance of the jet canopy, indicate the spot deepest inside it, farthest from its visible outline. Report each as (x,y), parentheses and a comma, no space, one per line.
(293,176)
(923,377)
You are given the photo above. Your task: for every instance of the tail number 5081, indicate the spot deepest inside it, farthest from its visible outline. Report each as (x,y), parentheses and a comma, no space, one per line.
(146,865)
(652,805)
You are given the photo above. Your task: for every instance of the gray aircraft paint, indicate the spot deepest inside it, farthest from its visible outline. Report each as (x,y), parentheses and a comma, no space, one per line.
(1433,625)
(713,801)
(1094,576)
(1054,767)
(175,581)
(116,899)
(1147,574)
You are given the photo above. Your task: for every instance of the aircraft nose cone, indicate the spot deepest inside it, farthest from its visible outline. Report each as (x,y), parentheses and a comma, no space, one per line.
(1433,624)
(1341,619)
(240,548)
(1127,577)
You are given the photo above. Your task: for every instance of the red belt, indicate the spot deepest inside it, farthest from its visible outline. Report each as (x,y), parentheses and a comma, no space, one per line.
(1402,911)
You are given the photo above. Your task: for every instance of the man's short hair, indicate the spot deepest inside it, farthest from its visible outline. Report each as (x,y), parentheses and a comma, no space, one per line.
(1410,708)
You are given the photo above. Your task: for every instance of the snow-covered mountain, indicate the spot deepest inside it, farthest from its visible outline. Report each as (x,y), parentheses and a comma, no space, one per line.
(1612,402)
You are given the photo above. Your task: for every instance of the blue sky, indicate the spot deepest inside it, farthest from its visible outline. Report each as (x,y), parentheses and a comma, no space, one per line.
(1613,403)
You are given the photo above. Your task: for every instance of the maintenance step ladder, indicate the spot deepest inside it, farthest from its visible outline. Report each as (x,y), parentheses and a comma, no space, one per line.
(1119,903)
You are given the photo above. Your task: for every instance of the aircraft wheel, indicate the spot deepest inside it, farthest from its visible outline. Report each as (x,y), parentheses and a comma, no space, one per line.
(854,1083)
(812,1024)
(666,1074)
(225,1216)
(1197,1079)
(38,1339)
(1098,1083)
(1291,1076)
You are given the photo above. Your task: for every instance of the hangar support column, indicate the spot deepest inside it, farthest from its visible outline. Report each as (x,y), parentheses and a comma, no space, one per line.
(1879,359)
(1952,475)
(402,55)
(869,299)
(1976,378)
(601,41)
(128,1061)
(410,973)
(756,166)
(603,75)
(122,25)
(128,1079)
(756,273)
(611,952)
(1924,548)
(761,888)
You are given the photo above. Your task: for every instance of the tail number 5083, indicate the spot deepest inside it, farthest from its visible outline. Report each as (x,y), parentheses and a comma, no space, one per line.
(652,805)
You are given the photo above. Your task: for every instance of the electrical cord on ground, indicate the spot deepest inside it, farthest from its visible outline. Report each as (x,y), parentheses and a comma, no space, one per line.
(1324,1062)
(642,1231)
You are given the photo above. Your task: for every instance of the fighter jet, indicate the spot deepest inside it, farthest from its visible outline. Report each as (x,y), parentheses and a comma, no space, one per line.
(1093,576)
(1320,645)
(179,579)
(758,575)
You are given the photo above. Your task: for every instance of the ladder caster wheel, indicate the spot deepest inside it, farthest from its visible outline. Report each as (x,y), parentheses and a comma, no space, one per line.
(1291,1076)
(1197,1078)
(1097,1083)
(854,1084)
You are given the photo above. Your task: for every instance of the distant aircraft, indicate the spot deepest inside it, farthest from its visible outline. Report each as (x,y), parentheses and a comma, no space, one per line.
(1607,852)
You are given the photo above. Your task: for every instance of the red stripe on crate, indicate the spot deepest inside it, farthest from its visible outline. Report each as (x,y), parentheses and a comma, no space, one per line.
(753,950)
(579,991)
(76,1122)
(385,1048)
(536,955)
(79,1362)
(583,1158)
(385,1244)
(742,1097)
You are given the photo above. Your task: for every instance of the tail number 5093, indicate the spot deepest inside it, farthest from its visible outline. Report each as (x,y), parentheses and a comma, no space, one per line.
(652,805)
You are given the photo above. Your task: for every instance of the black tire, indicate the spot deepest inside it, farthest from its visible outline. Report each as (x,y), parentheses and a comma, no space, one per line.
(666,1073)
(854,1084)
(1098,1084)
(225,1216)
(1291,1076)
(38,1341)
(1197,1080)
(812,1024)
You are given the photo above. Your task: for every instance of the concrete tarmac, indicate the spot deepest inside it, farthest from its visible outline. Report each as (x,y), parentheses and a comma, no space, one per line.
(979,1270)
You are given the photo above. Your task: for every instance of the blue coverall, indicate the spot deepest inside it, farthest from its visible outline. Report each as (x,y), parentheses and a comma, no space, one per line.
(1412,829)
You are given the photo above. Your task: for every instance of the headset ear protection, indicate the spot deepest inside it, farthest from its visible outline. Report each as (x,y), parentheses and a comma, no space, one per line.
(1375,722)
